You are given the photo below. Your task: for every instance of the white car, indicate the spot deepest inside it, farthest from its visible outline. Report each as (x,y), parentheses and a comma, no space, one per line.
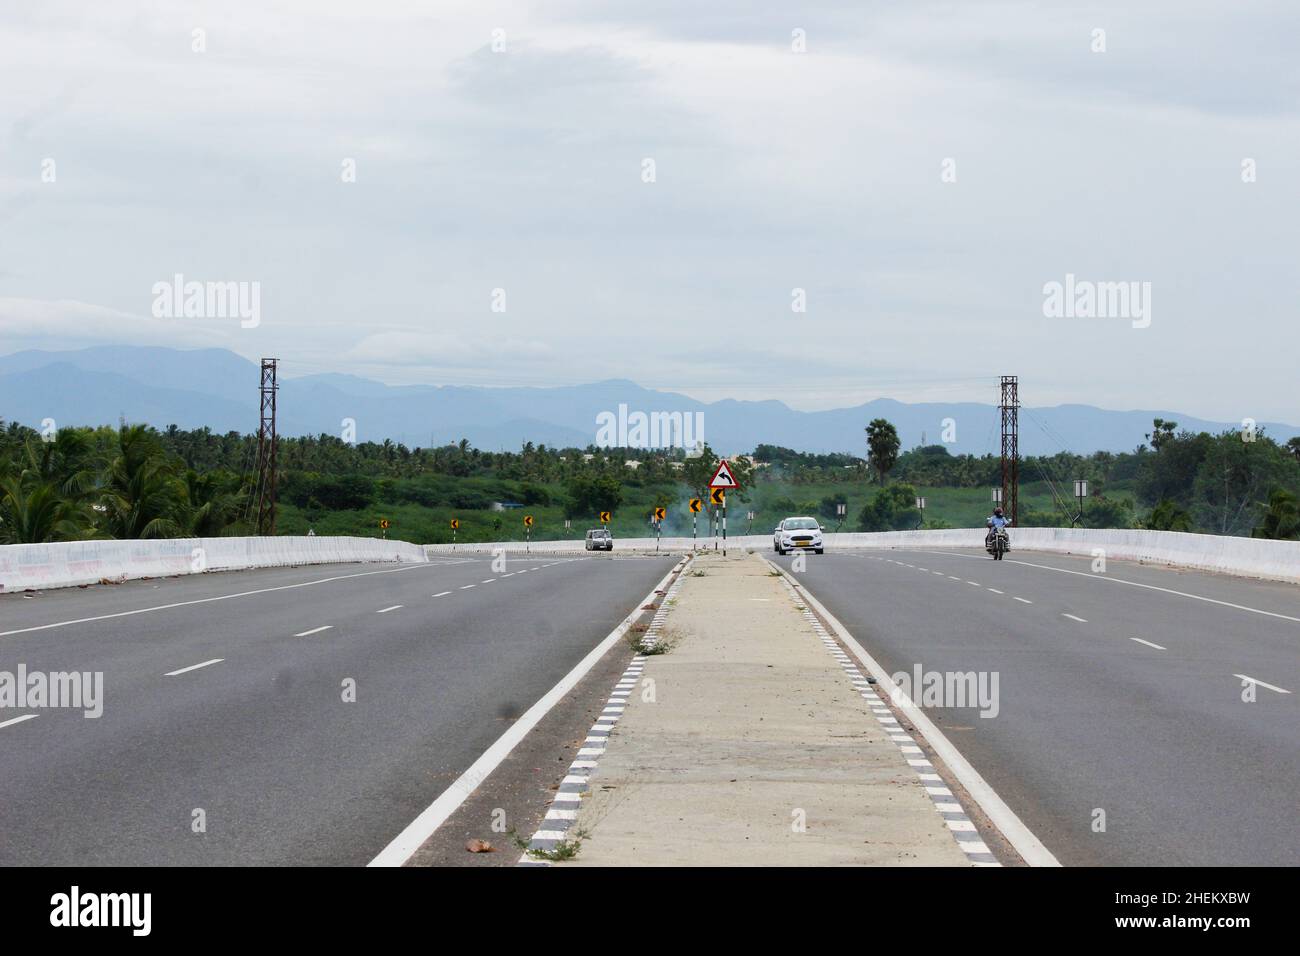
(798,534)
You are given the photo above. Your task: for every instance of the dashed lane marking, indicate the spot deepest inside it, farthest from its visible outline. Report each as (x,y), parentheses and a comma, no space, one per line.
(209,600)
(395,607)
(1133,584)
(1024,600)
(314,630)
(194,667)
(995,590)
(442,594)
(17,720)
(1074,618)
(1251,680)
(1148,643)
(466,587)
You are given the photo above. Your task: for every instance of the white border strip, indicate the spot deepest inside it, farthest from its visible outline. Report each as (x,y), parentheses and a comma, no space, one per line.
(422,827)
(1030,848)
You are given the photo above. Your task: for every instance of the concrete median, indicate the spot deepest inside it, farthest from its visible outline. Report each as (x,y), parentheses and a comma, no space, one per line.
(751,741)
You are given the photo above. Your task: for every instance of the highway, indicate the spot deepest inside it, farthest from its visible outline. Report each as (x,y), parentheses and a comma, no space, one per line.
(1119,692)
(225,693)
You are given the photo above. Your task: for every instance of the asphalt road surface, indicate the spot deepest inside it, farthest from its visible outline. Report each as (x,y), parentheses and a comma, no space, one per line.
(1119,692)
(224,694)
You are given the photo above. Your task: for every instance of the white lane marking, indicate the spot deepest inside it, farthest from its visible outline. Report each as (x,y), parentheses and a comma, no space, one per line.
(442,594)
(422,827)
(976,583)
(1148,643)
(1024,600)
(1251,680)
(954,577)
(314,630)
(220,597)
(995,590)
(511,574)
(1073,618)
(387,609)
(1030,848)
(17,720)
(466,587)
(1133,584)
(940,573)
(488,581)
(194,667)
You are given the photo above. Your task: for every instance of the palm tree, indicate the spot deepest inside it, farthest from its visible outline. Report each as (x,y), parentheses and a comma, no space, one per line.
(36,513)
(1282,519)
(143,495)
(882,440)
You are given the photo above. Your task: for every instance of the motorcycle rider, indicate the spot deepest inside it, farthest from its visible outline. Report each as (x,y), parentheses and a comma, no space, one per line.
(996,522)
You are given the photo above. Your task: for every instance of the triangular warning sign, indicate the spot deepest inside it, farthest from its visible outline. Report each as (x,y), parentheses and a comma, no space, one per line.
(723,478)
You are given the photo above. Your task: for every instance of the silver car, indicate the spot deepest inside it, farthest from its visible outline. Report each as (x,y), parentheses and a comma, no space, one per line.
(599,539)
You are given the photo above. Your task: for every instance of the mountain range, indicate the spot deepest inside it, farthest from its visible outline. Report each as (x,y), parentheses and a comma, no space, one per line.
(219,389)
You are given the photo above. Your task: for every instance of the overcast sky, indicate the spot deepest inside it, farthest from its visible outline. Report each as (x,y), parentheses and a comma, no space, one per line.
(523,169)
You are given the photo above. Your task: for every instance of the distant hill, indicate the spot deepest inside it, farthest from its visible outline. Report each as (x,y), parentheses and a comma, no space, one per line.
(217,388)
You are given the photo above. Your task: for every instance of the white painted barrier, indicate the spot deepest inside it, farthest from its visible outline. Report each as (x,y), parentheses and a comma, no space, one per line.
(72,563)
(1247,557)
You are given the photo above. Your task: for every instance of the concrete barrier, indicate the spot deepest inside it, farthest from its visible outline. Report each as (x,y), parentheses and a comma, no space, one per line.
(72,563)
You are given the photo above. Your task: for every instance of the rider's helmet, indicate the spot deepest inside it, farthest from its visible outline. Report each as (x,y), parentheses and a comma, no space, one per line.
(998,512)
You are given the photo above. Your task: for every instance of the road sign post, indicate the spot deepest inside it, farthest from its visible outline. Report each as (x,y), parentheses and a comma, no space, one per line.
(528,534)
(455,526)
(658,516)
(696,504)
(723,481)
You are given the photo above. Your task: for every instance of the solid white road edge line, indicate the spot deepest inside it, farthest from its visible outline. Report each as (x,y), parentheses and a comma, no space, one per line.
(1030,848)
(194,667)
(422,827)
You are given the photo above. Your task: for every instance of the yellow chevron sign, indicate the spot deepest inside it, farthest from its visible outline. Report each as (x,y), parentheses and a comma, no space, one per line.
(696,505)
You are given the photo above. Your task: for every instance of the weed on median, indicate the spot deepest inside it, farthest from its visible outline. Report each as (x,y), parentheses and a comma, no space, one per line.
(650,647)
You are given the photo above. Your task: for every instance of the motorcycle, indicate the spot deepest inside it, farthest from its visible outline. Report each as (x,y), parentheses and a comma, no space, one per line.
(997,543)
